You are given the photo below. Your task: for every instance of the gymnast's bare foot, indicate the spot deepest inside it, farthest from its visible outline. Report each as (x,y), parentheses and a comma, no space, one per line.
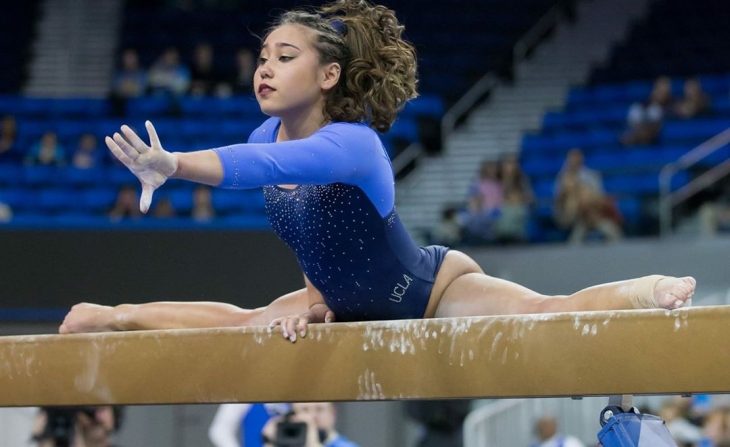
(671,292)
(87,317)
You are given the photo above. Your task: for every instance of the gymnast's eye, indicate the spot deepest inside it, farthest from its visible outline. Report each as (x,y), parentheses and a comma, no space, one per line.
(285,58)
(262,60)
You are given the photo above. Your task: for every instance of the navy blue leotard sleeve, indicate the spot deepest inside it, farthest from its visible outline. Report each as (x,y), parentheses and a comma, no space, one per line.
(346,153)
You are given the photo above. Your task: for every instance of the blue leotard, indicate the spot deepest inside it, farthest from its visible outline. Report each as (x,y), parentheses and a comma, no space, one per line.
(341,220)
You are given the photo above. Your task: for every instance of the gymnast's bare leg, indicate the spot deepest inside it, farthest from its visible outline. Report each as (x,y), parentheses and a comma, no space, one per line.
(463,289)
(87,317)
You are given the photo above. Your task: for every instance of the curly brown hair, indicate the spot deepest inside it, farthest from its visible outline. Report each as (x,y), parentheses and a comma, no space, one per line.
(378,67)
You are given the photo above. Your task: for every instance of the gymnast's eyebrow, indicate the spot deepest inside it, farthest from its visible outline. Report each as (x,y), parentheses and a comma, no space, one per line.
(282,44)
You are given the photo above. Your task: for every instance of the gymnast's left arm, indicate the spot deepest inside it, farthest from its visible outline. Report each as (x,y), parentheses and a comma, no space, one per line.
(340,152)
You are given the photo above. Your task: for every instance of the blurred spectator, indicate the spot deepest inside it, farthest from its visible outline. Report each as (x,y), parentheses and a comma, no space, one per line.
(8,136)
(47,152)
(674,412)
(511,225)
(645,119)
(694,102)
(76,426)
(715,216)
(204,76)
(87,153)
(131,80)
(716,429)
(442,421)
(546,430)
(309,424)
(485,200)
(164,209)
(168,76)
(127,204)
(202,204)
(242,83)
(236,425)
(448,230)
(6,213)
(580,202)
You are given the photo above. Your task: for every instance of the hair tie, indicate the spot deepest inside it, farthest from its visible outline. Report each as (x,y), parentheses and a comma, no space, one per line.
(339,26)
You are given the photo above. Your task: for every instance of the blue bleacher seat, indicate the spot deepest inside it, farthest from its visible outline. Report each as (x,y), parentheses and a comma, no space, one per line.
(119,175)
(41,175)
(11,174)
(17,198)
(97,199)
(181,199)
(52,200)
(241,107)
(148,107)
(252,201)
(227,201)
(82,177)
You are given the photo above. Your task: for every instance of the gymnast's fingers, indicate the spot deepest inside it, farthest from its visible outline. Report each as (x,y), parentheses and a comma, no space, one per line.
(118,153)
(302,325)
(135,140)
(329,317)
(154,139)
(125,147)
(291,328)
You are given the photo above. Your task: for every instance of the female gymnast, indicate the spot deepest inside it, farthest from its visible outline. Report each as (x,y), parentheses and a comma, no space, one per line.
(330,79)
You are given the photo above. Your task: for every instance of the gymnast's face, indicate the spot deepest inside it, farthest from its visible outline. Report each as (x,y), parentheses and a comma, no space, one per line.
(290,81)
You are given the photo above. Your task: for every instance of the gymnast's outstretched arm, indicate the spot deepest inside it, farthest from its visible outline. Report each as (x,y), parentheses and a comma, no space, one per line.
(87,317)
(333,154)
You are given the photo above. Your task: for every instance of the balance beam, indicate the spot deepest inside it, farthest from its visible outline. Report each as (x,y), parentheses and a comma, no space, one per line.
(572,354)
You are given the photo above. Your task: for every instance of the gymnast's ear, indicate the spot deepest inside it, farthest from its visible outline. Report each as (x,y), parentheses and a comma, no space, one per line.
(330,75)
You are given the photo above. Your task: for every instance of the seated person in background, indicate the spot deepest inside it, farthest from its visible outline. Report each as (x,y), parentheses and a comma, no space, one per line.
(168,76)
(6,213)
(485,202)
(202,204)
(240,425)
(203,73)
(448,230)
(309,424)
(546,430)
(580,202)
(163,209)
(441,421)
(8,135)
(76,426)
(645,119)
(131,80)
(716,428)
(511,225)
(675,413)
(126,204)
(87,153)
(242,81)
(694,102)
(47,152)
(715,215)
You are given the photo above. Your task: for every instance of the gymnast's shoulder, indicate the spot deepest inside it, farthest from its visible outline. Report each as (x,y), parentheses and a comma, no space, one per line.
(344,133)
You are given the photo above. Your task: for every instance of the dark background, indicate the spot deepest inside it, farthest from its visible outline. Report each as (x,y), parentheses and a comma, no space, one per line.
(52,269)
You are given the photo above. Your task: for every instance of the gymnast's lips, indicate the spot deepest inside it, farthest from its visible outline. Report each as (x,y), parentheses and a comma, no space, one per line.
(265,89)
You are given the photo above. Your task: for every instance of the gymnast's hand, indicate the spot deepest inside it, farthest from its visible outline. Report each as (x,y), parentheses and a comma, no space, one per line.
(151,164)
(87,317)
(317,313)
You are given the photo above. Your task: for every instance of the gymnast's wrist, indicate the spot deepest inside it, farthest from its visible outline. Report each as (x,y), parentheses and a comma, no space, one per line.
(176,164)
